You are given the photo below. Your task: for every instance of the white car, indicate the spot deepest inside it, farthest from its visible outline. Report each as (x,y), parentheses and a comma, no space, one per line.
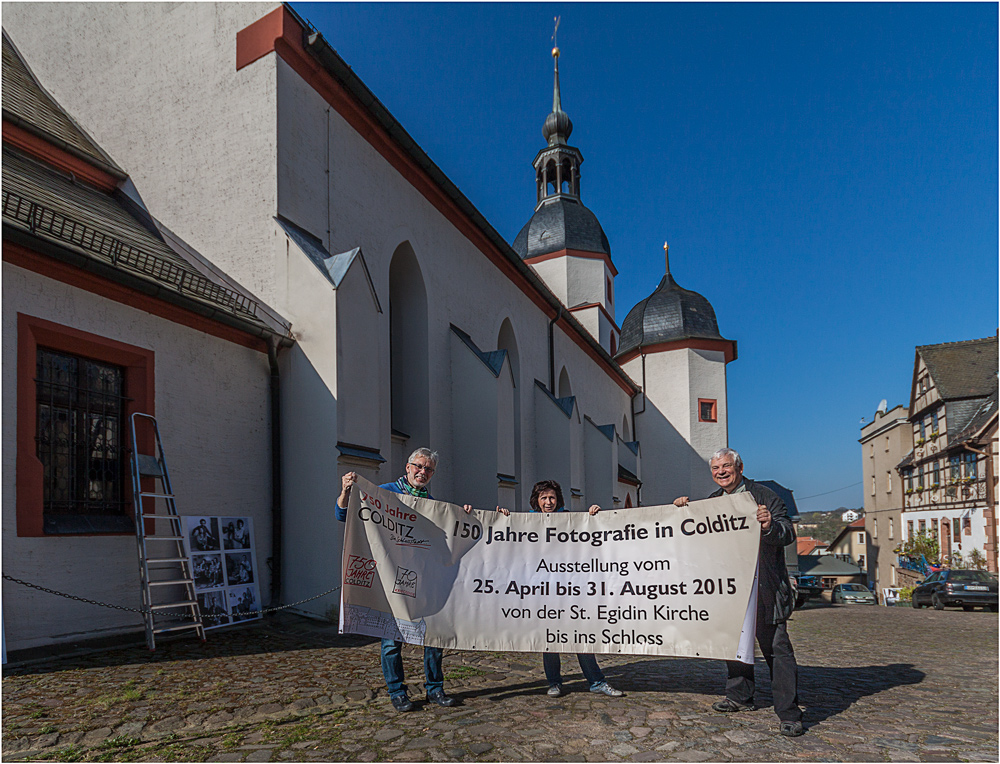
(852,594)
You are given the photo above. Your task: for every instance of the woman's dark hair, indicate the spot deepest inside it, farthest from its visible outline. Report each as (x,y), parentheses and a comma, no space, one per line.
(545,485)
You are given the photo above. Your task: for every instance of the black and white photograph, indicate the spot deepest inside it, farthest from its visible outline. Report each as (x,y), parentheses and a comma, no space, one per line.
(203,534)
(236,533)
(207,569)
(242,602)
(239,568)
(213,609)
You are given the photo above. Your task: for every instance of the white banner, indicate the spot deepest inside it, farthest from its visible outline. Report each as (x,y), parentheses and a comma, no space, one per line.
(648,581)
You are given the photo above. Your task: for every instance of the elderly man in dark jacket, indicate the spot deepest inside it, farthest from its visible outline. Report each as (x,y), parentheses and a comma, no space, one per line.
(774,599)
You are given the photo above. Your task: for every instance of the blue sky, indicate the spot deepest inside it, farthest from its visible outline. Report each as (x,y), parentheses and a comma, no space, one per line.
(826,175)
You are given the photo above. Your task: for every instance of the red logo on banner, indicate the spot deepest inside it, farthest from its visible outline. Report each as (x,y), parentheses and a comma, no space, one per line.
(360,571)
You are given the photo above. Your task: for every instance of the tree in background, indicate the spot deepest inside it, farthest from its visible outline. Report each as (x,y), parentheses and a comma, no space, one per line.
(977,560)
(922,544)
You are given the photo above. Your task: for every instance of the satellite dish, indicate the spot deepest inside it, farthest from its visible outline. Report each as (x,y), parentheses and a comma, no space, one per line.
(883,406)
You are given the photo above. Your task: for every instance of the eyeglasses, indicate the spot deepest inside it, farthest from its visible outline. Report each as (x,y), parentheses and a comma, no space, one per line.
(421,468)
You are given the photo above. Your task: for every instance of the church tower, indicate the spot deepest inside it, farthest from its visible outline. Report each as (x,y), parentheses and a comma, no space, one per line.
(564,241)
(671,346)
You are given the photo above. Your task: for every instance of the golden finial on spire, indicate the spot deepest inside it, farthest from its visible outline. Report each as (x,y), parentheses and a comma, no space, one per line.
(555,45)
(666,255)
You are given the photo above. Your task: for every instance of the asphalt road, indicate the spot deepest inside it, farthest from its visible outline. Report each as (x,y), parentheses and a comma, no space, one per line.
(877,684)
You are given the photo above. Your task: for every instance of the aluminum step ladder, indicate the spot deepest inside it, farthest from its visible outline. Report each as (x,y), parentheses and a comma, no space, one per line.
(168,594)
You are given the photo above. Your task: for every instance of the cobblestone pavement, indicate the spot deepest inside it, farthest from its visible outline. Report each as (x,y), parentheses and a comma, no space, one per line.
(877,684)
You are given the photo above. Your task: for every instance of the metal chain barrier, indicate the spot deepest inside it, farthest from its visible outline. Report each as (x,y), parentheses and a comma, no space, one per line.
(147,611)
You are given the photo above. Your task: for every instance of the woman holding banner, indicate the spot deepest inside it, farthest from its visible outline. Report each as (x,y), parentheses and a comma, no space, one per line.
(547,496)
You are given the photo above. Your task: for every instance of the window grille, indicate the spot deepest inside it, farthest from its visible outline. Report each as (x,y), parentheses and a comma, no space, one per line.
(80,409)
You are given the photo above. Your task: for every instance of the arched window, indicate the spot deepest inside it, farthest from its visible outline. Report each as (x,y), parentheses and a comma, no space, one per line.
(626,434)
(408,348)
(507,341)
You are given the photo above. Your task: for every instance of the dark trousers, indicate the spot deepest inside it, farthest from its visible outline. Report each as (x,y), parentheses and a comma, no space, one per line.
(777,649)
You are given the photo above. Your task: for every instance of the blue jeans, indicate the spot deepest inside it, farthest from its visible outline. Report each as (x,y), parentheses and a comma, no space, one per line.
(392,667)
(588,663)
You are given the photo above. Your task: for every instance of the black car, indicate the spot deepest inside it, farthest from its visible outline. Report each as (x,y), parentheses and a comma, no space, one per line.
(967,589)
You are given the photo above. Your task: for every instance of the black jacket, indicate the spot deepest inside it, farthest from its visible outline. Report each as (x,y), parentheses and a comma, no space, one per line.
(774,592)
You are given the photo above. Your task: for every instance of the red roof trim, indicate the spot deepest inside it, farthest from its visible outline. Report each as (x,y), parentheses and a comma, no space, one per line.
(574,253)
(726,346)
(22,257)
(47,152)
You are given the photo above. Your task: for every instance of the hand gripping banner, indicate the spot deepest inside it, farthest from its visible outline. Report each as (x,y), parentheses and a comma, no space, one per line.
(648,581)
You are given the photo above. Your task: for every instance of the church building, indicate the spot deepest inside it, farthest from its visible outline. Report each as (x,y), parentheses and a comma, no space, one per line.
(413,322)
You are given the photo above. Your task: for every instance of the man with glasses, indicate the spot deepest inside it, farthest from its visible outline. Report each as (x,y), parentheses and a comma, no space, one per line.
(419,471)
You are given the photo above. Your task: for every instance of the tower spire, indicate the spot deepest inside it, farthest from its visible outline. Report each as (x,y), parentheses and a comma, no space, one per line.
(556,97)
(666,256)
(557,127)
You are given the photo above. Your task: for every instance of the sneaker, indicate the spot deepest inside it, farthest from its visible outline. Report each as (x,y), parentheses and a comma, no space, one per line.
(606,689)
(727,706)
(555,691)
(402,703)
(437,696)
(791,729)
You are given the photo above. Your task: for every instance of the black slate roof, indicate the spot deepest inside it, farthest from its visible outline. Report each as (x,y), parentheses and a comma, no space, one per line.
(27,104)
(42,203)
(669,313)
(962,369)
(561,223)
(785,494)
(984,411)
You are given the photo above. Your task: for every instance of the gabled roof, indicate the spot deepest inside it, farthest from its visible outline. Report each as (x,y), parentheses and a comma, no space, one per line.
(980,418)
(806,545)
(962,369)
(857,525)
(29,106)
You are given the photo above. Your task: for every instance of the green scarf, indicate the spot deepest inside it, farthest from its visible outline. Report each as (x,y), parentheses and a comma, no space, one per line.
(405,487)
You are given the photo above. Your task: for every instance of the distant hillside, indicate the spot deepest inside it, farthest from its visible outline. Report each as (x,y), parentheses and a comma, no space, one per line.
(824,526)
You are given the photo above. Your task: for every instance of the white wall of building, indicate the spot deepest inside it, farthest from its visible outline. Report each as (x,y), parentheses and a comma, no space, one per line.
(156,87)
(669,426)
(211,403)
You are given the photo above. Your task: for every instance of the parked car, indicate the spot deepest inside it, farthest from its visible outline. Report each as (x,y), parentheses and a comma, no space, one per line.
(967,589)
(852,594)
(805,588)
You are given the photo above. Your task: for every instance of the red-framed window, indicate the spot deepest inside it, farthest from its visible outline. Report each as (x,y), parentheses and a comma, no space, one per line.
(54,495)
(708,410)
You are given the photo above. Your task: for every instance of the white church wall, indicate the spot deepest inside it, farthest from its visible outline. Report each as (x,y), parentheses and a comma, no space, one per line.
(255,144)
(554,273)
(601,471)
(474,402)
(186,136)
(211,404)
(585,281)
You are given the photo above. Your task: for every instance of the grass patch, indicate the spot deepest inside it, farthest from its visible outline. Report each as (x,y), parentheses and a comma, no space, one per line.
(126,693)
(230,741)
(48,729)
(69,753)
(463,672)
(38,714)
(119,741)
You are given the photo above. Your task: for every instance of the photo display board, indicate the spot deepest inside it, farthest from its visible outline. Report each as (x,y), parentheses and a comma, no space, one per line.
(224,566)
